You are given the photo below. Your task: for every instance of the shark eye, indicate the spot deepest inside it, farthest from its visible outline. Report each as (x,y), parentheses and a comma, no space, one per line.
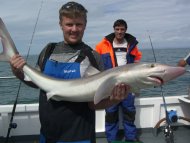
(152,65)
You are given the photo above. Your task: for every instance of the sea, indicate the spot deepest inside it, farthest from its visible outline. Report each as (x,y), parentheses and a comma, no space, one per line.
(10,88)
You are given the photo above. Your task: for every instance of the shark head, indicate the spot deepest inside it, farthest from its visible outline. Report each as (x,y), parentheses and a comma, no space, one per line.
(160,74)
(145,75)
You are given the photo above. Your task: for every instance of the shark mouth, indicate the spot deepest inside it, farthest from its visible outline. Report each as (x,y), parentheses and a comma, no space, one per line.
(157,79)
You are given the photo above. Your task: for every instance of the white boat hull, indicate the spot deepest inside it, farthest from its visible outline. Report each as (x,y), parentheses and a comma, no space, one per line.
(149,112)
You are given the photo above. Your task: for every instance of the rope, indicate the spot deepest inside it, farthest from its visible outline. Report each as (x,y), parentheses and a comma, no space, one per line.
(7,77)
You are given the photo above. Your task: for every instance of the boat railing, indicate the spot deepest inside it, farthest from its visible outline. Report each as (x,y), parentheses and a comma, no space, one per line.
(7,77)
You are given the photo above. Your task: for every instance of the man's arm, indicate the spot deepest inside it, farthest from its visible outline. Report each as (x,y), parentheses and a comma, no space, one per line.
(99,60)
(137,54)
(185,61)
(17,63)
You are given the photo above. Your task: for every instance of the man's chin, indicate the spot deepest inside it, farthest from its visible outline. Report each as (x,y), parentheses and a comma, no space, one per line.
(73,42)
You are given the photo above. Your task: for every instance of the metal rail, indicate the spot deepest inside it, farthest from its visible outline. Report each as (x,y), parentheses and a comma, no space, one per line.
(7,77)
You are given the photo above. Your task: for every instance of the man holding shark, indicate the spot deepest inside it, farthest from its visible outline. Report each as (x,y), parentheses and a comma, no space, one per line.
(65,121)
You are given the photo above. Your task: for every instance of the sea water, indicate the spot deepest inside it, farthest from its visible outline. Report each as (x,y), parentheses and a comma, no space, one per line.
(9,88)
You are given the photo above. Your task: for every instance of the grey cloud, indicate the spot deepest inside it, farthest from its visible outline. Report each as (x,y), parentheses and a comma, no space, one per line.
(166,20)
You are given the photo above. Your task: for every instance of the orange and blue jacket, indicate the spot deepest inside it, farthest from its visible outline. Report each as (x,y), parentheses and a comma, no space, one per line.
(105,49)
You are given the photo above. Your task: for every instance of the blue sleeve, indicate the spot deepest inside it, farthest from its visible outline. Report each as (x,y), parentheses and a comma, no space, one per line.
(187,59)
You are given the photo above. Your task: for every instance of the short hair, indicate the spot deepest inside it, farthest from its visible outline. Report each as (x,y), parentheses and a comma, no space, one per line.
(120,22)
(72,10)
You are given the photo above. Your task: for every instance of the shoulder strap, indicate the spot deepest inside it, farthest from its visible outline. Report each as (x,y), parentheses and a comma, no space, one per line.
(45,55)
(87,51)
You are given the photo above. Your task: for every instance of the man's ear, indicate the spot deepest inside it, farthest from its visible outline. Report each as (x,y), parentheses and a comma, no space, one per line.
(60,24)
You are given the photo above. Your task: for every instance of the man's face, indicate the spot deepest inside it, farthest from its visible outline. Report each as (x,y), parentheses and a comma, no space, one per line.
(73,29)
(120,32)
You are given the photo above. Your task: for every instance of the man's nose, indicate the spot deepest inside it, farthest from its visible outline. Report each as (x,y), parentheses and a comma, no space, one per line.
(74,28)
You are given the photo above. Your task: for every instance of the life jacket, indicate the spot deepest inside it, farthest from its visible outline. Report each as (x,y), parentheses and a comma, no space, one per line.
(105,48)
(57,129)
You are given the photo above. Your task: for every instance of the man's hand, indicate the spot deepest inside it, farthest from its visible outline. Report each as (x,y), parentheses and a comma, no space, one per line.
(120,92)
(182,63)
(17,62)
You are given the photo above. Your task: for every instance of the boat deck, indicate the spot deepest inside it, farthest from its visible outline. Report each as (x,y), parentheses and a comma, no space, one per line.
(181,135)
(150,112)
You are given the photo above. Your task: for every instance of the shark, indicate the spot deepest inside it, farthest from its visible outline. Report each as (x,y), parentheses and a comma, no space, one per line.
(95,87)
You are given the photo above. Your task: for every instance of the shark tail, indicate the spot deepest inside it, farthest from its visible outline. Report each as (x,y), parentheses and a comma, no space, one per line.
(8,45)
(2,54)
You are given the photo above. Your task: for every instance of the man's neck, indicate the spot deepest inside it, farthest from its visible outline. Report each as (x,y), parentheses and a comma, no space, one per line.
(119,41)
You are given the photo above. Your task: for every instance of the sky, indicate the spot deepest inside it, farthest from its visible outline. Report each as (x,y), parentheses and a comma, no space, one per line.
(167,22)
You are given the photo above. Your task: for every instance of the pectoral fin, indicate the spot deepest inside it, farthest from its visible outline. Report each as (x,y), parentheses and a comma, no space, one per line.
(50,95)
(27,78)
(104,90)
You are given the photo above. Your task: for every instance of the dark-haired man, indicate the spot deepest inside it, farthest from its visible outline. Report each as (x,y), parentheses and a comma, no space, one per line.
(117,49)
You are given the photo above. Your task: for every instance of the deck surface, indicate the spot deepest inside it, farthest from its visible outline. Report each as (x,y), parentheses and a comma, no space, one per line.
(181,135)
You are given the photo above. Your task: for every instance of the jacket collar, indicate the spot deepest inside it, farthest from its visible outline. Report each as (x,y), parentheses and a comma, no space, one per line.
(128,37)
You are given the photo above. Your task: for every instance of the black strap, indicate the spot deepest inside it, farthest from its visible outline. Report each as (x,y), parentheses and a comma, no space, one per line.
(87,51)
(43,58)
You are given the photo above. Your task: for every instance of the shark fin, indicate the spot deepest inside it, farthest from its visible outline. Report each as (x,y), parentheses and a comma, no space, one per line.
(49,95)
(3,57)
(53,95)
(27,78)
(104,90)
(91,71)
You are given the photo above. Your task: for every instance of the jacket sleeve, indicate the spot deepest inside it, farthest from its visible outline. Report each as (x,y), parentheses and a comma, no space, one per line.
(187,59)
(99,60)
(138,55)
(98,48)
